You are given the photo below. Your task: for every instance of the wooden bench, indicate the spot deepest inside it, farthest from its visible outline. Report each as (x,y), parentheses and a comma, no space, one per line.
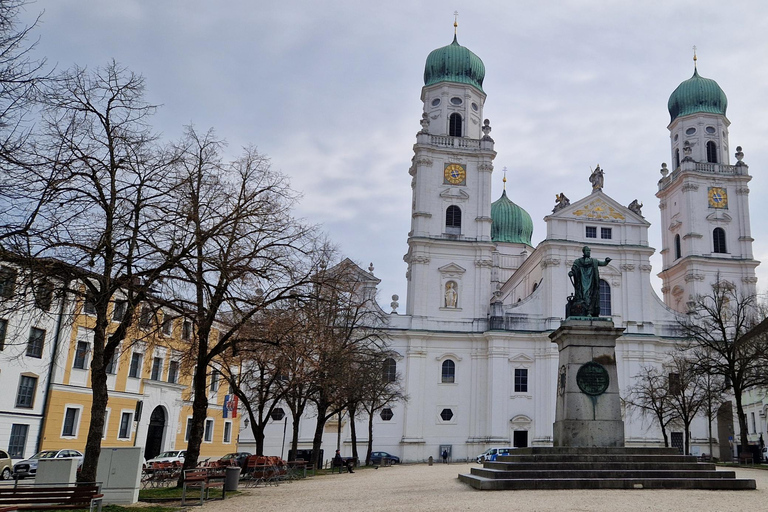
(199,478)
(345,462)
(60,497)
(746,458)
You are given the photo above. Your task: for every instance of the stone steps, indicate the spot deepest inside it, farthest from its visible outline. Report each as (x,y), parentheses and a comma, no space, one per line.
(601,468)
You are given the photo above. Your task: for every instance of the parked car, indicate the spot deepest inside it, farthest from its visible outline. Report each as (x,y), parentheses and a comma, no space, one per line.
(377,456)
(6,466)
(240,457)
(170,456)
(28,467)
(491,453)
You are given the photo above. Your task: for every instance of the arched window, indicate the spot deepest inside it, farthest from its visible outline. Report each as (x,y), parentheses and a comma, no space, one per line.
(390,370)
(605,298)
(453,220)
(454,125)
(449,372)
(718,238)
(678,252)
(711,152)
(677,158)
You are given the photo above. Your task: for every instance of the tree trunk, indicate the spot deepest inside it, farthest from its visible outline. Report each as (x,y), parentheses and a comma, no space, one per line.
(369,451)
(258,434)
(199,413)
(742,422)
(353,432)
(317,440)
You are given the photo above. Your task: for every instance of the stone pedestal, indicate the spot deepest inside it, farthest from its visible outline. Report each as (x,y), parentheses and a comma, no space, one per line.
(588,406)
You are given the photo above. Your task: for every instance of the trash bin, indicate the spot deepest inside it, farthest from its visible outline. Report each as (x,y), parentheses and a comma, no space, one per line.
(232,478)
(430,460)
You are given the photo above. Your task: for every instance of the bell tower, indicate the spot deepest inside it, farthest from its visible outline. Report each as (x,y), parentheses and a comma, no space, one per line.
(449,246)
(704,200)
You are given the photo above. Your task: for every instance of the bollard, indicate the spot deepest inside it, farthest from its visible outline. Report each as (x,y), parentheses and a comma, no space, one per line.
(430,460)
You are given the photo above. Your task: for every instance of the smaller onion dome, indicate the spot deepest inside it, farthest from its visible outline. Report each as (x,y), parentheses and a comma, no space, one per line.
(454,63)
(509,222)
(695,95)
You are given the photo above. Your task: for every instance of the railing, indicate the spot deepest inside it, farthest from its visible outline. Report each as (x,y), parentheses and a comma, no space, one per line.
(717,168)
(454,142)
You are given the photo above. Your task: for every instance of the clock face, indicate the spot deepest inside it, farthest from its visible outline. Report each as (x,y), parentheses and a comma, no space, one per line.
(455,174)
(718,197)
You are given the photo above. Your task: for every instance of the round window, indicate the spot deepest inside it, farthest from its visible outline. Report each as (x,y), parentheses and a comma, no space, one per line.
(690,131)
(474,107)
(456,101)
(711,129)
(435,102)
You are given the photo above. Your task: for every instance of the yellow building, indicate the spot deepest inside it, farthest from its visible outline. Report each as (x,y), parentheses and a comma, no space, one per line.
(149,386)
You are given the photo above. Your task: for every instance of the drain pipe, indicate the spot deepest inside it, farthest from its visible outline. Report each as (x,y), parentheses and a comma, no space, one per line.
(52,365)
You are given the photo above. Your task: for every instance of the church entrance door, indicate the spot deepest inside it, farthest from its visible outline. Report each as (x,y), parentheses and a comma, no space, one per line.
(154,444)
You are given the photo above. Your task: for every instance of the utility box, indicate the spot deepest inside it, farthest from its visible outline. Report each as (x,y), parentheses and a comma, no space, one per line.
(120,474)
(56,471)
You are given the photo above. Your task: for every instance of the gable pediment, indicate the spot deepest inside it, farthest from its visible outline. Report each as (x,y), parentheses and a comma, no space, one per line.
(598,206)
(521,359)
(454,193)
(451,268)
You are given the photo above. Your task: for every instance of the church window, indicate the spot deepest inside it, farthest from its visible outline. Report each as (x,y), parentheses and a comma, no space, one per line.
(456,100)
(436,102)
(677,158)
(449,372)
(591,232)
(606,233)
(390,370)
(690,131)
(454,125)
(678,252)
(521,380)
(474,107)
(605,298)
(711,152)
(386,414)
(711,129)
(446,414)
(718,237)
(453,220)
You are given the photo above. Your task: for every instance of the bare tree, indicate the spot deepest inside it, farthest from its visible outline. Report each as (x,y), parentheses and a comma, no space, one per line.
(687,393)
(649,394)
(96,188)
(717,342)
(380,390)
(249,253)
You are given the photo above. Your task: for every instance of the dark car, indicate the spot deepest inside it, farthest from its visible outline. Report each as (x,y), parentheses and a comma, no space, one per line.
(240,457)
(377,456)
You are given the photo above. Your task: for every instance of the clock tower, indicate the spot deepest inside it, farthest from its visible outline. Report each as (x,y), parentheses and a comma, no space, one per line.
(704,200)
(449,246)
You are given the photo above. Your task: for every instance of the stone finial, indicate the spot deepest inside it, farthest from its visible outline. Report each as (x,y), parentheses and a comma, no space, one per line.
(370,268)
(487,130)
(424,122)
(739,156)
(394,304)
(664,171)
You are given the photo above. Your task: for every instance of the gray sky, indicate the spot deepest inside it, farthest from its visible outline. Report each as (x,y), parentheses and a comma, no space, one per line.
(330,91)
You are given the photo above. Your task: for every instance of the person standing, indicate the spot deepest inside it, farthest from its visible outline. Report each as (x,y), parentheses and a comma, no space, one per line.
(445,456)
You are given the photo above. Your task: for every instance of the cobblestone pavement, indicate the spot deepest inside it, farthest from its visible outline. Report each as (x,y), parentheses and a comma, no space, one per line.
(412,487)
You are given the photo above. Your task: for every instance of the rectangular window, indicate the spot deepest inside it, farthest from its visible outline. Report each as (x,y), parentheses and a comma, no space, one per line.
(112,364)
(754,426)
(157,368)
(606,234)
(521,380)
(3,331)
(189,429)
(89,306)
(135,370)
(125,425)
(18,440)
(81,355)
(674,383)
(227,431)
(119,311)
(186,330)
(26,395)
(7,282)
(208,436)
(36,342)
(591,232)
(43,294)
(167,325)
(145,318)
(70,422)
(215,381)
(173,372)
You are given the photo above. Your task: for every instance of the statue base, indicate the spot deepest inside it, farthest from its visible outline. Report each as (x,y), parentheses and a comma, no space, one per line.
(588,409)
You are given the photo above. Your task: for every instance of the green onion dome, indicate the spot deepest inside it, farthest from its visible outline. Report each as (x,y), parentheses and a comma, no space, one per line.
(509,222)
(454,63)
(695,95)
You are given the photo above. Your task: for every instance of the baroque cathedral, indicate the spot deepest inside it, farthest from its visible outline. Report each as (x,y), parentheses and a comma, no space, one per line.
(474,351)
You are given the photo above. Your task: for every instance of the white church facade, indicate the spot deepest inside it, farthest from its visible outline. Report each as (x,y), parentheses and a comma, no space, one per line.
(473,346)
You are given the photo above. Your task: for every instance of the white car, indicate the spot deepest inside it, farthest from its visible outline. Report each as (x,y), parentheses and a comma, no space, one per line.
(169,456)
(28,467)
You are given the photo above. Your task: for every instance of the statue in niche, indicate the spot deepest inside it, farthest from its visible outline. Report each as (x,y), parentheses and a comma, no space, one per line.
(596,179)
(560,202)
(636,207)
(586,283)
(451,295)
